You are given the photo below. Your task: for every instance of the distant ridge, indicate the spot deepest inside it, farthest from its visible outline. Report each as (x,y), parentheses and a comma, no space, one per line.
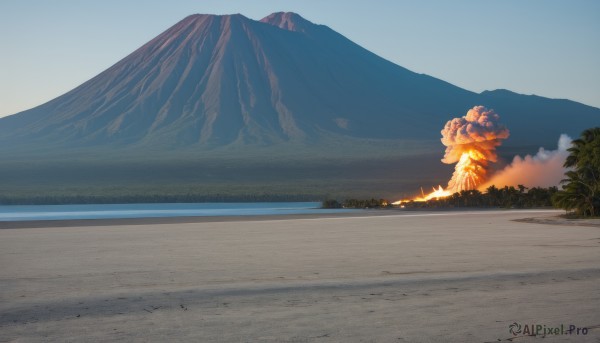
(221,80)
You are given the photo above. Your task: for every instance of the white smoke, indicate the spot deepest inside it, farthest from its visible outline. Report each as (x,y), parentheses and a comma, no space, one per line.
(545,169)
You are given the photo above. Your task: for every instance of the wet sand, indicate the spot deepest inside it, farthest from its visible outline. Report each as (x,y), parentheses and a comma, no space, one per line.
(410,277)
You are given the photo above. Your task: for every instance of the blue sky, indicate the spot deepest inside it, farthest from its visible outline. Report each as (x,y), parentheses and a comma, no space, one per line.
(544,47)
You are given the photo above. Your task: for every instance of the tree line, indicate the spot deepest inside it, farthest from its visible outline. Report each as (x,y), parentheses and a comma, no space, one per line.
(356,203)
(60,199)
(507,197)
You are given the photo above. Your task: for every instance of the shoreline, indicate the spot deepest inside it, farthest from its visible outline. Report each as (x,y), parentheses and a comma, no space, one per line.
(36,224)
(558,220)
(31,224)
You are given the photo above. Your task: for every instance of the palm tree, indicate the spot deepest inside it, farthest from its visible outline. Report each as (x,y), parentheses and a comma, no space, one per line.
(573,196)
(581,189)
(494,195)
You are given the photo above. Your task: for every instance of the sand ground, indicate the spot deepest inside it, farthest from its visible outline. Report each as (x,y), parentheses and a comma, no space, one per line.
(411,277)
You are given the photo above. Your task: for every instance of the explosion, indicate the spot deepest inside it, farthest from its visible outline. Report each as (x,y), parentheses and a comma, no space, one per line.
(471,143)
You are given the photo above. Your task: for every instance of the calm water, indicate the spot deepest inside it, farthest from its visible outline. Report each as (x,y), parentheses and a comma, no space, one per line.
(58,212)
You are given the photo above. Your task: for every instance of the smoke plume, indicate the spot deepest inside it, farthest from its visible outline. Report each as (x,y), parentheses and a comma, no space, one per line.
(471,143)
(545,169)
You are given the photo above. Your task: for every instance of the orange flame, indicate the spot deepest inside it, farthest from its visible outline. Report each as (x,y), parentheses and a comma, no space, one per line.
(469,172)
(471,143)
(436,194)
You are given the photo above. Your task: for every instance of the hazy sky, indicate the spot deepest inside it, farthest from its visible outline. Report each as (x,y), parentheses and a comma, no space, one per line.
(544,47)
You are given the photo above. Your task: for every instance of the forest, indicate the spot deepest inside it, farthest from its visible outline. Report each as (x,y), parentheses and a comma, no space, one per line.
(506,197)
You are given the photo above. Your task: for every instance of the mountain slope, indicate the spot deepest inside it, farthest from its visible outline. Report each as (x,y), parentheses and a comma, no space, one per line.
(224,107)
(221,79)
(212,81)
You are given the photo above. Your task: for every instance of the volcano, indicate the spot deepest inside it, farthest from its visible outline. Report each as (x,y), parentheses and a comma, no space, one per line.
(211,81)
(225,108)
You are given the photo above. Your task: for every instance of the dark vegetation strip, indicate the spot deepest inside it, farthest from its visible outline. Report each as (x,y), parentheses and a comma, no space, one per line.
(151,198)
(507,197)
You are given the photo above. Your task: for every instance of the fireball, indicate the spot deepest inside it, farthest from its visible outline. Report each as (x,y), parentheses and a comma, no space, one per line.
(471,143)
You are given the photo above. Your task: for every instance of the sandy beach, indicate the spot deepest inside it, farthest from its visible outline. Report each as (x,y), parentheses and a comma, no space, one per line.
(402,277)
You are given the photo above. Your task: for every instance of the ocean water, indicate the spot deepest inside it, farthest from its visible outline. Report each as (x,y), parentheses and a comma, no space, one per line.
(110,211)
